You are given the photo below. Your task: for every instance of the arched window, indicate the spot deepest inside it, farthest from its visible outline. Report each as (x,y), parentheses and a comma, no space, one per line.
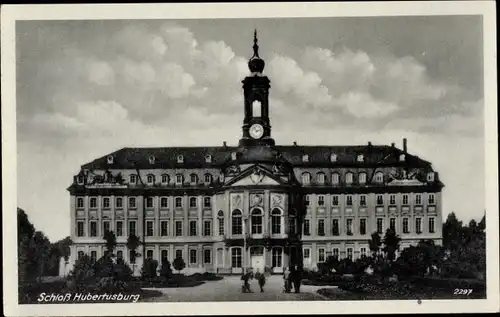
(379,177)
(152,159)
(335,178)
(333,158)
(179,179)
(180,159)
(208,179)
(321,178)
(256,221)
(305,158)
(151,179)
(348,178)
(208,158)
(256,108)
(193,178)
(306,178)
(192,202)
(276,221)
(220,219)
(362,178)
(165,179)
(110,159)
(236,222)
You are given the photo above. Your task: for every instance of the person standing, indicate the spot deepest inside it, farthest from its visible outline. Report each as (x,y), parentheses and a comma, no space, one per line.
(246,285)
(261,279)
(297,278)
(286,279)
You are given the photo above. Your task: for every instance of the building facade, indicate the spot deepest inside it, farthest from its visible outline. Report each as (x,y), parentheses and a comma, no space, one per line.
(256,205)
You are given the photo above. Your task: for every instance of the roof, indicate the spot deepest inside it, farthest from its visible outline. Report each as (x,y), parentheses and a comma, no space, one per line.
(196,157)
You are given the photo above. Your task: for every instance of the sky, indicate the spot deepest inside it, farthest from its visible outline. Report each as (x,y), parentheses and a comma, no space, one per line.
(88,88)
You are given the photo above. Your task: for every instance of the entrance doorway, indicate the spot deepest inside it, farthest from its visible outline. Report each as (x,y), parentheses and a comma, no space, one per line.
(257,259)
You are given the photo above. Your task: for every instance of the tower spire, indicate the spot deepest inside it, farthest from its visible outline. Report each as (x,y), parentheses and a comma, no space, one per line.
(255,45)
(256,64)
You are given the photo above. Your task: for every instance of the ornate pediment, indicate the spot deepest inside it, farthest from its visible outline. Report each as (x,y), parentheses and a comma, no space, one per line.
(105,180)
(255,176)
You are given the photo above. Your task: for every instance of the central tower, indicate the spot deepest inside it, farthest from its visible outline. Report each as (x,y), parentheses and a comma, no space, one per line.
(256,123)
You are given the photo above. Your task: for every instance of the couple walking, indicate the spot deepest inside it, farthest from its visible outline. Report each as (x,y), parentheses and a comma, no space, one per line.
(292,276)
(260,277)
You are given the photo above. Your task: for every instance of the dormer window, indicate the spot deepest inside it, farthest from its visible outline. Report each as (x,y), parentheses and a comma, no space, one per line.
(179,179)
(402,158)
(362,178)
(321,178)
(306,178)
(180,159)
(379,177)
(333,158)
(233,156)
(348,178)
(133,179)
(208,179)
(335,178)
(430,176)
(305,158)
(151,179)
(152,159)
(193,179)
(361,158)
(79,179)
(208,158)
(165,179)
(110,159)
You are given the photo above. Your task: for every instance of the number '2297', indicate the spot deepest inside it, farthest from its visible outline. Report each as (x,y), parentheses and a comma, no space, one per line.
(462,291)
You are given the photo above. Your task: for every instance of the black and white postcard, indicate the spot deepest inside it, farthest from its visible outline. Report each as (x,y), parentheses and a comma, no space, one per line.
(316,158)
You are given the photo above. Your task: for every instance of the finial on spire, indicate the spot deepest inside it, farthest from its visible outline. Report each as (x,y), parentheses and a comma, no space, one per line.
(256,64)
(255,45)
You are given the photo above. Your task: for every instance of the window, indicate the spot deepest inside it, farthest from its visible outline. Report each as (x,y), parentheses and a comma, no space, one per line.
(392,224)
(277,257)
(79,202)
(149,254)
(207,256)
(150,179)
(234,156)
(348,200)
(165,179)
(119,228)
(335,253)
(431,225)
(152,159)
(236,222)
(193,179)
(193,202)
(276,221)
(418,199)
(335,227)
(132,256)
(119,202)
(220,217)
(430,176)
(335,178)
(432,199)
(164,256)
(380,225)
(349,253)
(192,257)
(321,227)
(208,179)
(380,200)
(305,158)
(362,226)
(333,158)
(362,252)
(362,178)
(256,221)
(308,200)
(164,202)
(402,157)
(207,228)
(192,228)
(105,226)
(80,255)
(93,202)
(291,225)
(236,257)
(178,254)
(335,200)
(110,159)
(149,229)
(321,255)
(379,177)
(418,225)
(362,200)
(164,228)
(207,202)
(405,199)
(349,227)
(93,256)
(178,228)
(132,227)
(80,231)
(208,158)
(93,229)
(348,178)
(392,199)
(307,227)
(180,159)
(132,202)
(321,200)
(321,178)
(179,179)
(178,202)
(406,228)
(79,179)
(360,158)
(307,253)
(306,178)
(133,179)
(149,202)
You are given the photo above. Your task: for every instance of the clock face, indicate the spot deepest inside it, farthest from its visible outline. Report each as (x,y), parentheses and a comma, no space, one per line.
(256,131)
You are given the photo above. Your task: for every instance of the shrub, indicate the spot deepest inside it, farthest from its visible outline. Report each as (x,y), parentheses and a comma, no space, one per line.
(179,264)
(149,268)
(122,270)
(166,269)
(83,270)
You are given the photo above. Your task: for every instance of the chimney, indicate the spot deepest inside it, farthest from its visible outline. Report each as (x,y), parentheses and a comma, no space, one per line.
(294,143)
(393,144)
(224,144)
(404,145)
(369,143)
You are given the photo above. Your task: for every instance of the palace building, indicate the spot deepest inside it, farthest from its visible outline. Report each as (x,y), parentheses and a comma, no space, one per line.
(259,205)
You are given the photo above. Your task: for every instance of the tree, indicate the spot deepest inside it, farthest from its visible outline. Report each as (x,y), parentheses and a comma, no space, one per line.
(179,264)
(375,243)
(391,244)
(41,247)
(133,243)
(165,270)
(110,241)
(452,230)
(149,268)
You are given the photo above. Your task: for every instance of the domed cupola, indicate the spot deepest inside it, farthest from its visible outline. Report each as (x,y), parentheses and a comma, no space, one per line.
(255,63)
